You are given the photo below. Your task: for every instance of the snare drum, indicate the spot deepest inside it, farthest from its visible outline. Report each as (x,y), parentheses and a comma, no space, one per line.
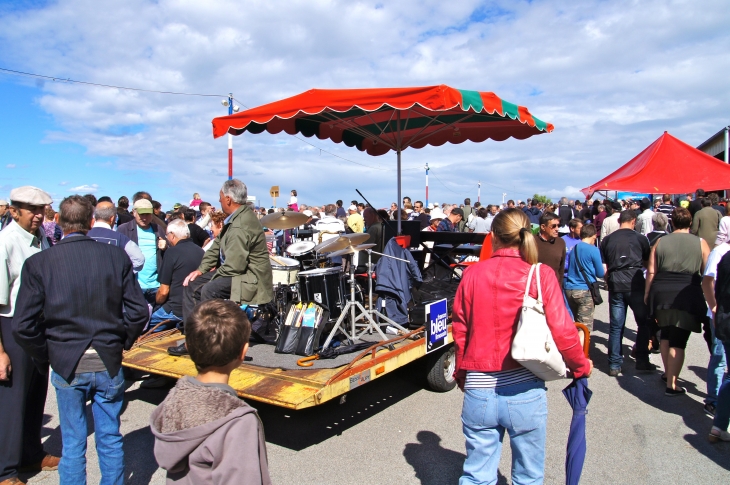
(284,270)
(302,251)
(324,286)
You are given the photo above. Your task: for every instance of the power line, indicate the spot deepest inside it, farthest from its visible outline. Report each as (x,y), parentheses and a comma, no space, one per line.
(73,81)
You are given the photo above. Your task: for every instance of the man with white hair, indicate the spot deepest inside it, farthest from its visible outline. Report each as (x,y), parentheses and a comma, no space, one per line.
(105,214)
(238,255)
(23,387)
(182,258)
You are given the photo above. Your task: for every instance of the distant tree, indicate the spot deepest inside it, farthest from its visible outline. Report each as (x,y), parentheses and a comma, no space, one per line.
(542,198)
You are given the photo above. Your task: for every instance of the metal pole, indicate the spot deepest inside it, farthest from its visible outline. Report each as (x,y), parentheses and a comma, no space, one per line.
(427,185)
(479,192)
(399,192)
(230,139)
(727,144)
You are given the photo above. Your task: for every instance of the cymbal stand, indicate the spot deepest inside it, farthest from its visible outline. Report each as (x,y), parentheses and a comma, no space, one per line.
(370,294)
(355,310)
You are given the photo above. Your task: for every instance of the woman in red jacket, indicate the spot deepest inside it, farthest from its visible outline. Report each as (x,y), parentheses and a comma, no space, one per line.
(500,394)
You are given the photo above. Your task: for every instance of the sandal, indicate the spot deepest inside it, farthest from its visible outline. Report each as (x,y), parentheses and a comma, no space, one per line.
(675,392)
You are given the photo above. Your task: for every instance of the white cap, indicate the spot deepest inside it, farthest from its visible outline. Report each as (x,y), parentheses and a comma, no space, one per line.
(353,208)
(3,202)
(30,195)
(437,214)
(307,213)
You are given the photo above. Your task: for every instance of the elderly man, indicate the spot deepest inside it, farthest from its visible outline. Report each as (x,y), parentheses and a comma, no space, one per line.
(150,238)
(449,224)
(82,337)
(23,387)
(355,221)
(104,216)
(238,255)
(5,217)
(182,258)
(329,226)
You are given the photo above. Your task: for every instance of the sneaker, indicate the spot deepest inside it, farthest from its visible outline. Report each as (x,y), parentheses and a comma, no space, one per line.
(645,366)
(614,372)
(680,391)
(178,351)
(716,434)
(710,410)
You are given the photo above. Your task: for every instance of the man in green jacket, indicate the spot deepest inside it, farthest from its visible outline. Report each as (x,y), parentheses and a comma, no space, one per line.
(238,255)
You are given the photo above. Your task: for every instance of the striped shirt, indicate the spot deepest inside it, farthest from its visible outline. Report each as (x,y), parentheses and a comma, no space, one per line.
(495,380)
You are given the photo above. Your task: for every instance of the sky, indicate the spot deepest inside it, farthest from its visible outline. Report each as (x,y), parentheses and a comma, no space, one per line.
(612,76)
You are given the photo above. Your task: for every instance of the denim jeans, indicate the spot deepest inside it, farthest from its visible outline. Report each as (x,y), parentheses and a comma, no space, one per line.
(521,409)
(722,414)
(160,315)
(107,395)
(715,369)
(618,305)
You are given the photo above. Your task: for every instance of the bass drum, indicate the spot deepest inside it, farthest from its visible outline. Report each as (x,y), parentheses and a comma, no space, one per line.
(284,270)
(325,287)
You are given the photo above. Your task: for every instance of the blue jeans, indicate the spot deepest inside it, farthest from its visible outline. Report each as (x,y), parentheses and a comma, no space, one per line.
(521,409)
(715,369)
(107,395)
(618,305)
(722,414)
(160,315)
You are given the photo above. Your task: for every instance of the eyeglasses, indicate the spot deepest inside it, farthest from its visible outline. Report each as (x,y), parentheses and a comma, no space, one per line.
(553,226)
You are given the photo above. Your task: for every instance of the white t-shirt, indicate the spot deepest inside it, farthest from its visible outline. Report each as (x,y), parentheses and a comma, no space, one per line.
(712,261)
(292,200)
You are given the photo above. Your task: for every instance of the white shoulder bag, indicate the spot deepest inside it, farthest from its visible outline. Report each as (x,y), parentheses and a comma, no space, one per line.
(533,345)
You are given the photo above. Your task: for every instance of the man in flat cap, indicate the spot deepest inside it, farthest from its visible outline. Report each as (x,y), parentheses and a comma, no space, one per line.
(23,386)
(5,217)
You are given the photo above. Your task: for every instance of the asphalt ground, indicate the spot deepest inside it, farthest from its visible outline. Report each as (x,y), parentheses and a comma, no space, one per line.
(396,431)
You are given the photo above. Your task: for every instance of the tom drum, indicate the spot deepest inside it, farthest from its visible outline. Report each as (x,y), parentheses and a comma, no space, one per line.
(284,270)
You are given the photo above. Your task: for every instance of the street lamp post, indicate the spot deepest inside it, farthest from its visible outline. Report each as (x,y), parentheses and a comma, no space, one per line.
(231,109)
(426,185)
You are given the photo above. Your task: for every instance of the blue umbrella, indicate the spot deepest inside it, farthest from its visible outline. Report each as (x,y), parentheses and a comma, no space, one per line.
(578,395)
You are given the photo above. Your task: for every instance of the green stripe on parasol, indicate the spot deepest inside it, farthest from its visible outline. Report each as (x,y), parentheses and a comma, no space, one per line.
(471,99)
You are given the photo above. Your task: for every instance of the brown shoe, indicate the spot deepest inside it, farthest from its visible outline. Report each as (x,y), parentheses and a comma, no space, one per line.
(47,464)
(12,481)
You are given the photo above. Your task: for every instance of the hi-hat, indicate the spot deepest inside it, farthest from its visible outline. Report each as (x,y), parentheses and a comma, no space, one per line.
(284,220)
(351,249)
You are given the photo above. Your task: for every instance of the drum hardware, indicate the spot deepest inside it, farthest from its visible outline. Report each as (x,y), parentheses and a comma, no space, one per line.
(370,289)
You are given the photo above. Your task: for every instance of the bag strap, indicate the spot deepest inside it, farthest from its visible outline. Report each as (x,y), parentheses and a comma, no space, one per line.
(535,268)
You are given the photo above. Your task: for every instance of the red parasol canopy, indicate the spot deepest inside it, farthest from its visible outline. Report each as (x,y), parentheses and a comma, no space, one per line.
(667,166)
(382,119)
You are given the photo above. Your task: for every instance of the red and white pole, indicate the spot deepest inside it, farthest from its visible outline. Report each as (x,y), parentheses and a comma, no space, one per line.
(230,139)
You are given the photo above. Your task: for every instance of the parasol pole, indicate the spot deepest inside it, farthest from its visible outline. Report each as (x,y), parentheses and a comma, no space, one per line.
(399,196)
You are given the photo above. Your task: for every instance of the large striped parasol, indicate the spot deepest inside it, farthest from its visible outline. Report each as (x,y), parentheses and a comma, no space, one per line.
(378,120)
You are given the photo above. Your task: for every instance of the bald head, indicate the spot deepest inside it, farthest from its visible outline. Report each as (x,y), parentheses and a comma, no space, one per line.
(105,212)
(370,216)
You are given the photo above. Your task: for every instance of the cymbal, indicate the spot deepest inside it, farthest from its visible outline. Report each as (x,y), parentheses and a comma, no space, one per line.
(334,244)
(351,250)
(357,238)
(284,220)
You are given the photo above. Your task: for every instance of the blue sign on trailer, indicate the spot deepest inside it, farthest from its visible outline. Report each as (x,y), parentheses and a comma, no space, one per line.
(436,325)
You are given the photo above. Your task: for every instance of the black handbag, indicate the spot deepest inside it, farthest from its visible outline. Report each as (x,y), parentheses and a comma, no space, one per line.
(594,288)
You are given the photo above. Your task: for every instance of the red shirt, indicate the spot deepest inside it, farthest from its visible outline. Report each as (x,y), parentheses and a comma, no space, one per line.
(487,309)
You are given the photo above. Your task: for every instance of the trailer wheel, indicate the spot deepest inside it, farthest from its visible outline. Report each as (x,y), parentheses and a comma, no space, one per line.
(441,366)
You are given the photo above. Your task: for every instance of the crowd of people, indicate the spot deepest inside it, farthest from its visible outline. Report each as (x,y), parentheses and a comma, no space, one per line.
(193,266)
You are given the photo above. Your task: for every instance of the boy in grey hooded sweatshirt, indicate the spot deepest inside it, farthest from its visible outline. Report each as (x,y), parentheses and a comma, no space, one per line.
(204,434)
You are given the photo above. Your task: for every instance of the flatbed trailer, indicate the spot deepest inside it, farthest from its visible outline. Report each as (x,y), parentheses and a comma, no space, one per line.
(303,388)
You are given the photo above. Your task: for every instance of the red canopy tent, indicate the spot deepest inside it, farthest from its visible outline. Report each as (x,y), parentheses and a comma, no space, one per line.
(667,166)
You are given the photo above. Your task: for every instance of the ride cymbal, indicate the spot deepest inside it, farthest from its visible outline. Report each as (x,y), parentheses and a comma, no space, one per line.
(284,220)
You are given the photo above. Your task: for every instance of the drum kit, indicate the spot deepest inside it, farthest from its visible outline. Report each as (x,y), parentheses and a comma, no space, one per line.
(306,274)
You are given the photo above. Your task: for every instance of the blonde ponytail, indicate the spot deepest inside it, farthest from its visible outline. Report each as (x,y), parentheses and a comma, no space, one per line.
(511,228)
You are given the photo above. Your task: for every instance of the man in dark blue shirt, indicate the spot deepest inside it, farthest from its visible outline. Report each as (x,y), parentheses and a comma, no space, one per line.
(449,224)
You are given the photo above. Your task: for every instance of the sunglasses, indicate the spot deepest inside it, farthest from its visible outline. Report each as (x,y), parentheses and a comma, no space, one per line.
(553,226)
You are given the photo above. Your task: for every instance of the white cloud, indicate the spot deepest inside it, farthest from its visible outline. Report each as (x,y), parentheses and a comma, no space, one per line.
(85,189)
(10,165)
(611,76)
(62,183)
